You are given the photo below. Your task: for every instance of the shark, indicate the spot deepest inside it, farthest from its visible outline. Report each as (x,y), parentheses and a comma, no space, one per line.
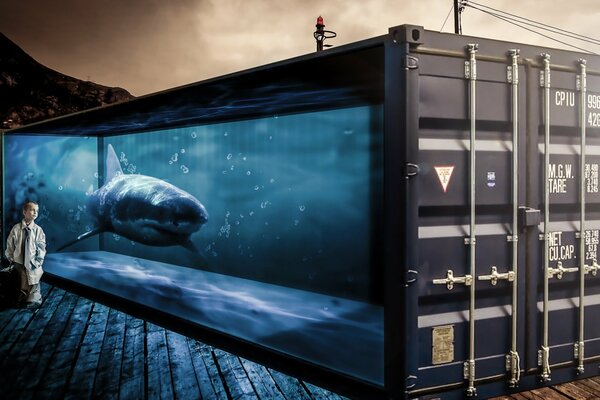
(143,208)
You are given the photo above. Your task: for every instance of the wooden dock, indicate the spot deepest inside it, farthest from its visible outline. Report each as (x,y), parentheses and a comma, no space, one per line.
(584,389)
(75,348)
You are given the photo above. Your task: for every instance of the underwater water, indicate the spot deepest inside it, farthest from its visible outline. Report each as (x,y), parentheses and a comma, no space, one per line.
(291,200)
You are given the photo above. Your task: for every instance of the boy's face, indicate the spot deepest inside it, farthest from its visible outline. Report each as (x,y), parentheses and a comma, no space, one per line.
(31,212)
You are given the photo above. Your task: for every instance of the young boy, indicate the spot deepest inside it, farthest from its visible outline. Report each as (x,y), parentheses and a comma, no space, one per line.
(26,248)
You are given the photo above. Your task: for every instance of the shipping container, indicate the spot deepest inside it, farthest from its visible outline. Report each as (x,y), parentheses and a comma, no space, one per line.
(415,215)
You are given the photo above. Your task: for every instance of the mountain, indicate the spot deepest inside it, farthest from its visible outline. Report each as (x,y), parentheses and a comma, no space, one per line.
(31,92)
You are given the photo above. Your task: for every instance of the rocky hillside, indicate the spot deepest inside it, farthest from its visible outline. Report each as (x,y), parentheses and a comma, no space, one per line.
(31,92)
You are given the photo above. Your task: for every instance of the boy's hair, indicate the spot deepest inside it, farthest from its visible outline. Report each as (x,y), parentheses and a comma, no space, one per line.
(27,203)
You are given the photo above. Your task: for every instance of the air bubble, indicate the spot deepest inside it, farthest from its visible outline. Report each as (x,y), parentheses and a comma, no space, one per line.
(229,156)
(194,135)
(60,188)
(302,208)
(185,169)
(271,180)
(256,187)
(248,173)
(182,151)
(174,157)
(96,175)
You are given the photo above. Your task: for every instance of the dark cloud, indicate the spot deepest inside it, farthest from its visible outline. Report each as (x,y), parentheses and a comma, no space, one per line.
(150,45)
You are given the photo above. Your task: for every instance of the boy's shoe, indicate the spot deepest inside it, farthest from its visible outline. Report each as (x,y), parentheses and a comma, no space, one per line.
(29,305)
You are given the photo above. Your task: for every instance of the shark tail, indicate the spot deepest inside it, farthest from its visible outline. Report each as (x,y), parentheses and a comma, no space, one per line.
(86,235)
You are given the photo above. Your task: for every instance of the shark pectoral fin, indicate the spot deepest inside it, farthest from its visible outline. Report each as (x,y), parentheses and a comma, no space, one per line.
(81,237)
(192,247)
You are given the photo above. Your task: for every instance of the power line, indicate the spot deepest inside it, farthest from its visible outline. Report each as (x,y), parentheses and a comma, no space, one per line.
(513,22)
(538,24)
(444,24)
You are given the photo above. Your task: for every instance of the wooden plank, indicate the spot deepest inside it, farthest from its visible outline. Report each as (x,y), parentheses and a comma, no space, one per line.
(549,394)
(13,330)
(264,384)
(518,396)
(591,385)
(184,378)
(160,385)
(291,387)
(573,389)
(26,353)
(234,375)
(207,373)
(530,396)
(81,383)
(318,393)
(132,385)
(108,374)
(60,368)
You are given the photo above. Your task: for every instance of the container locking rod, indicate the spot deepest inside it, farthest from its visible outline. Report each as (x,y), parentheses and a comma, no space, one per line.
(472,76)
(544,352)
(579,346)
(513,355)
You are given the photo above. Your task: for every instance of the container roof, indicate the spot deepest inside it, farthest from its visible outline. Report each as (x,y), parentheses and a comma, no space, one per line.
(342,77)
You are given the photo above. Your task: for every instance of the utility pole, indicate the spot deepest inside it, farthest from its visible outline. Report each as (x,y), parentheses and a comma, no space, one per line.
(457,10)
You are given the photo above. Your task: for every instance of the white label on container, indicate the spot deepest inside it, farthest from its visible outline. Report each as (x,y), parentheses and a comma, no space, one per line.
(444,174)
(592,239)
(558,174)
(557,251)
(591,178)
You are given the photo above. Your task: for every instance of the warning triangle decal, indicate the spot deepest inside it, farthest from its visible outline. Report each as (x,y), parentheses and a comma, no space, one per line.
(444,173)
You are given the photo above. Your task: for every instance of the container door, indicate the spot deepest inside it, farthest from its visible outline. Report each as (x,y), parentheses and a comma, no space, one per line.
(565,155)
(472,162)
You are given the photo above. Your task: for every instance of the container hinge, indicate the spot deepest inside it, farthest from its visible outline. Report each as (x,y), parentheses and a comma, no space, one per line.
(411,170)
(411,276)
(410,62)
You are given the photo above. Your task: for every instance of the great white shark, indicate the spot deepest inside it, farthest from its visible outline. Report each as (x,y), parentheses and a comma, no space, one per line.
(144,209)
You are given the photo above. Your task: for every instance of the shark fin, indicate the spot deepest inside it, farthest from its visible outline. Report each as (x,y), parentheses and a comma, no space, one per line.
(113,166)
(81,237)
(192,247)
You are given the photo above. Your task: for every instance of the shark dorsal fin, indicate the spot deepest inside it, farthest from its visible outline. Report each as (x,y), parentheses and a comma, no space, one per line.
(113,166)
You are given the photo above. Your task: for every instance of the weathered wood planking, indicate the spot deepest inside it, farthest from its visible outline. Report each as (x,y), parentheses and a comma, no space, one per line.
(108,374)
(74,348)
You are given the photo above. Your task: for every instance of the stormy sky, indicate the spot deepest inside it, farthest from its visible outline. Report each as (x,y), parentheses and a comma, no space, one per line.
(146,46)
